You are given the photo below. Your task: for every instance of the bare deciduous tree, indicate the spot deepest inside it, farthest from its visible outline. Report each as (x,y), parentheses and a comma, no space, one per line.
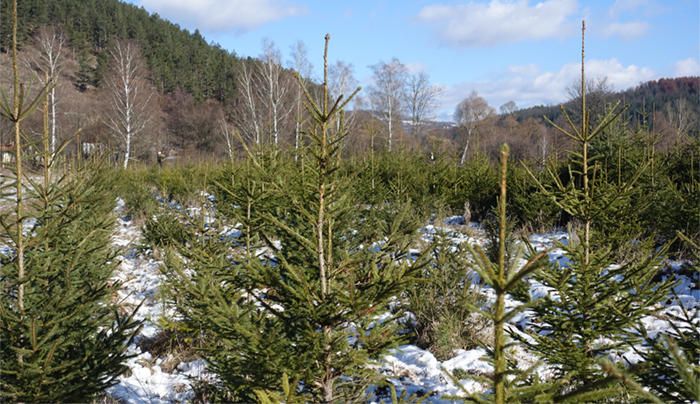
(388,91)
(681,116)
(303,67)
(470,115)
(598,91)
(227,134)
(275,86)
(249,113)
(341,80)
(421,100)
(508,108)
(127,117)
(51,42)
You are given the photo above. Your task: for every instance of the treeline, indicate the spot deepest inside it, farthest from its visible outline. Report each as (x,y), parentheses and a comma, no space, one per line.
(198,96)
(175,57)
(670,96)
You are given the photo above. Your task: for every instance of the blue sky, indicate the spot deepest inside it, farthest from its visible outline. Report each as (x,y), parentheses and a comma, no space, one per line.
(520,50)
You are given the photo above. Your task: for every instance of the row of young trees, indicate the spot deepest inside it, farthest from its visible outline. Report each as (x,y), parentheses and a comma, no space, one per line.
(296,307)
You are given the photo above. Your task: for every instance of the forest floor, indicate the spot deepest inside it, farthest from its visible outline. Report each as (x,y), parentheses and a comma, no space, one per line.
(169,379)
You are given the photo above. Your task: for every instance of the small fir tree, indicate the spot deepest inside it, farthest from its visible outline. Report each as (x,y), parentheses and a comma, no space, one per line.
(62,338)
(307,301)
(503,270)
(442,301)
(671,368)
(594,302)
(497,269)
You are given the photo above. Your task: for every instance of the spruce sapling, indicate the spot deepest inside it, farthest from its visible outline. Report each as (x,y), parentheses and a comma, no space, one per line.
(500,271)
(62,338)
(307,300)
(594,303)
(670,368)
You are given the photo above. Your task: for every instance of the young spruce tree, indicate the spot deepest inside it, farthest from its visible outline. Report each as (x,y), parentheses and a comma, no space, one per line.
(594,303)
(61,336)
(302,308)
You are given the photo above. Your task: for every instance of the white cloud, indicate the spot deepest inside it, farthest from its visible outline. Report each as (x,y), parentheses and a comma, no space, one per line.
(475,25)
(627,30)
(685,68)
(527,85)
(223,15)
(530,69)
(348,13)
(622,6)
(416,67)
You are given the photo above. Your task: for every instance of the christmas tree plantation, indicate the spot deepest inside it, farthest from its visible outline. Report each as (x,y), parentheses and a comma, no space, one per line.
(301,298)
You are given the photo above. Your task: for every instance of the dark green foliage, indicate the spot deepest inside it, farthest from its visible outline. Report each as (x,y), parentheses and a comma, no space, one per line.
(165,230)
(62,338)
(300,294)
(138,193)
(492,225)
(594,301)
(526,201)
(170,51)
(508,384)
(181,184)
(677,209)
(442,301)
(598,298)
(69,328)
(102,68)
(670,368)
(478,181)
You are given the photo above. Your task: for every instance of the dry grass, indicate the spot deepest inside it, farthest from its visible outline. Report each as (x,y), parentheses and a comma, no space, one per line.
(170,347)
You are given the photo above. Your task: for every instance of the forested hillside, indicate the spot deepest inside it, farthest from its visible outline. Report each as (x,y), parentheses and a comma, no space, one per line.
(196,95)
(176,57)
(672,96)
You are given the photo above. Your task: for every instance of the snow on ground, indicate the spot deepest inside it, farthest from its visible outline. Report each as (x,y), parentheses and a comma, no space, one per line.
(408,367)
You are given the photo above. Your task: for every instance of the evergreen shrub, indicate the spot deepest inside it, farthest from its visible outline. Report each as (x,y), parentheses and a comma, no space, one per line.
(441,302)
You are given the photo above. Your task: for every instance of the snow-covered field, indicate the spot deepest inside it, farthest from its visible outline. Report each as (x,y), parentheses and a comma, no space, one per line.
(409,368)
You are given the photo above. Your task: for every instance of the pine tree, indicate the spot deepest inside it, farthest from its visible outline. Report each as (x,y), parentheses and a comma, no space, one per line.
(593,302)
(62,338)
(442,301)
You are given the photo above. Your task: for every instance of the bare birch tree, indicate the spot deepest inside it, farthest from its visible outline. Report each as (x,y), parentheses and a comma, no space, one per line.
(227,134)
(249,113)
(275,86)
(52,43)
(127,115)
(598,91)
(421,100)
(341,80)
(508,108)
(303,67)
(387,91)
(469,115)
(681,116)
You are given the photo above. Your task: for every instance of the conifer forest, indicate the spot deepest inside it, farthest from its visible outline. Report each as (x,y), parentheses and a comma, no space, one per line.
(181,224)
